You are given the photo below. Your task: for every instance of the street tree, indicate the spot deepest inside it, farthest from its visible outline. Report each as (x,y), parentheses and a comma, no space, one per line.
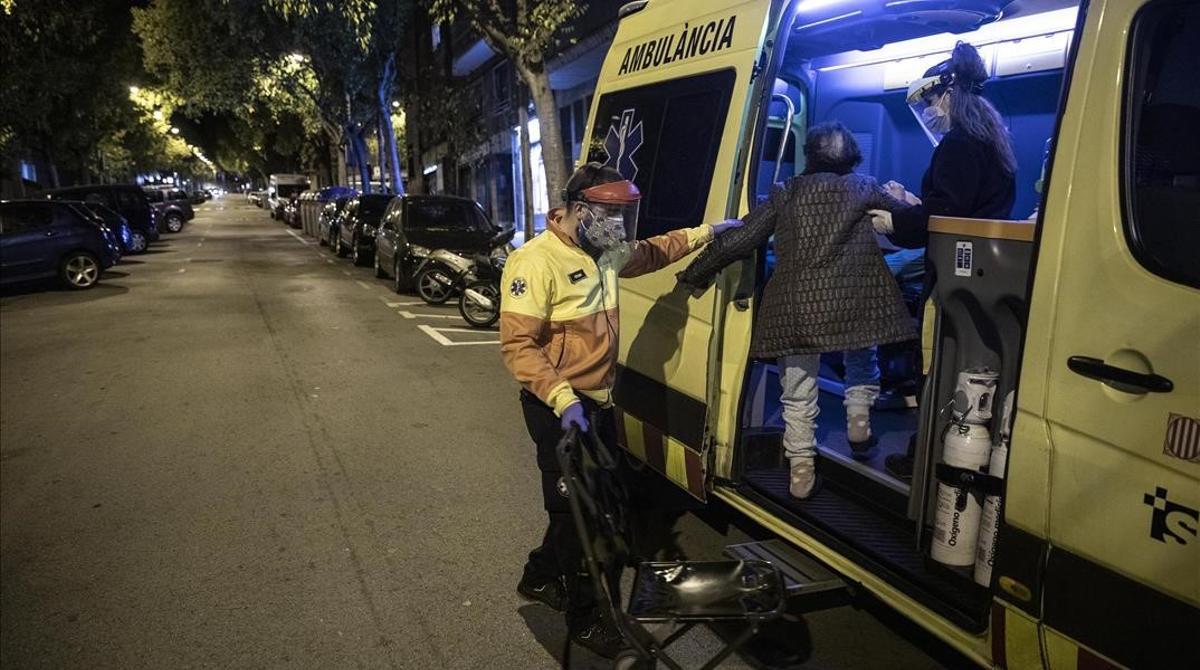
(524,31)
(331,62)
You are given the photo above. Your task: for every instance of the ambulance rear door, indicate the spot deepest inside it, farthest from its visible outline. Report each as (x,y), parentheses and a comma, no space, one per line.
(671,106)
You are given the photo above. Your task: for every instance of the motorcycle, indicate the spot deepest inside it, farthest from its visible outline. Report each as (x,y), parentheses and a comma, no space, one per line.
(479,301)
(445,273)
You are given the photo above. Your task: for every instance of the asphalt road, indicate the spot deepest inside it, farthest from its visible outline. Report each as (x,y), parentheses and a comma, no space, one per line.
(239,452)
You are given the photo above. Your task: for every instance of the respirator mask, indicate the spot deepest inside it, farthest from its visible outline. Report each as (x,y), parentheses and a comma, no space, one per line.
(609,217)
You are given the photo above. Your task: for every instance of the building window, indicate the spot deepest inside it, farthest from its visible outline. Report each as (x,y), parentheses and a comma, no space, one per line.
(666,138)
(501,85)
(1162,142)
(435,36)
(28,171)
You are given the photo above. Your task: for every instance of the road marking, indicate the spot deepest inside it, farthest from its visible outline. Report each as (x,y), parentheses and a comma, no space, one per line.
(346,272)
(299,239)
(402,304)
(182,270)
(329,260)
(200,244)
(436,334)
(409,315)
(363,284)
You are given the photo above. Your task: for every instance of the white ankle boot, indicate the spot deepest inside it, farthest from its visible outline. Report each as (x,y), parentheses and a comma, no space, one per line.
(803,478)
(858,425)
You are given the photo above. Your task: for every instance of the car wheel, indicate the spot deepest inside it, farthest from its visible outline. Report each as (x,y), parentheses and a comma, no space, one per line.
(429,289)
(477,315)
(174,223)
(80,270)
(137,242)
(379,273)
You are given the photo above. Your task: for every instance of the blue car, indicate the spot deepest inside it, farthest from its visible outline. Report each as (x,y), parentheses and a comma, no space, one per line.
(42,239)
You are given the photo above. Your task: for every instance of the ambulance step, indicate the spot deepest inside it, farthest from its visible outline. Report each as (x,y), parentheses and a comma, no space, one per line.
(809,585)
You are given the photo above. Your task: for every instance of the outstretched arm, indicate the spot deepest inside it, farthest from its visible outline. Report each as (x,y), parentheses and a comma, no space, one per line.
(734,245)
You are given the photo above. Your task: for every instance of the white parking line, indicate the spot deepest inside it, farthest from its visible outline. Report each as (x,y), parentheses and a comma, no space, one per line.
(346,272)
(299,239)
(182,270)
(363,284)
(329,260)
(436,334)
(402,304)
(409,315)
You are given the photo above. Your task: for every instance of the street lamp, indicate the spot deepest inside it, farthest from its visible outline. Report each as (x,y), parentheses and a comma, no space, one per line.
(174,130)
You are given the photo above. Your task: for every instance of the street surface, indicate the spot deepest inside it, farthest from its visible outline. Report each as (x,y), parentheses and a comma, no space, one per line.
(240,452)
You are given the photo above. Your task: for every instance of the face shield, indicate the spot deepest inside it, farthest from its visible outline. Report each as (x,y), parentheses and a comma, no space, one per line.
(929,100)
(611,215)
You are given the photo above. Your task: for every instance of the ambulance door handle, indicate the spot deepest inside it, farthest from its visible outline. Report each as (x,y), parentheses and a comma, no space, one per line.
(1121,379)
(741,302)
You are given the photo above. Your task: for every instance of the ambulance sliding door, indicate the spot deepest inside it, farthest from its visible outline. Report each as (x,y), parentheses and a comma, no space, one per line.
(670,110)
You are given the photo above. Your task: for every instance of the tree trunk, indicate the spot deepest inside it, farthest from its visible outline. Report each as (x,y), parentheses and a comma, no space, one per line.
(385,119)
(359,147)
(526,168)
(553,157)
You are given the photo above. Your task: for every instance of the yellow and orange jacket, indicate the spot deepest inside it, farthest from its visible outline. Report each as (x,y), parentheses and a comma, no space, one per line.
(558,310)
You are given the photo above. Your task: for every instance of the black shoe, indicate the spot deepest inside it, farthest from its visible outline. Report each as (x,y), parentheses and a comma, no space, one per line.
(599,636)
(899,466)
(863,451)
(549,593)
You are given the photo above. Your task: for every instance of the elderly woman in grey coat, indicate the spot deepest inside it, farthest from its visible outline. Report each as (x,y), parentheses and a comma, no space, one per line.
(831,290)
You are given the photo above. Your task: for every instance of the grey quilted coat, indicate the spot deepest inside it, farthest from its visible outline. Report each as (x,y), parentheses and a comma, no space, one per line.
(831,289)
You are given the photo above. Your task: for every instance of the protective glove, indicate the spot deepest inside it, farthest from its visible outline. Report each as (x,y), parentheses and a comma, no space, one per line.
(721,227)
(881,220)
(573,414)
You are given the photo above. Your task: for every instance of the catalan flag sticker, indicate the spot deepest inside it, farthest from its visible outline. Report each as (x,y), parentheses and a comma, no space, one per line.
(1183,438)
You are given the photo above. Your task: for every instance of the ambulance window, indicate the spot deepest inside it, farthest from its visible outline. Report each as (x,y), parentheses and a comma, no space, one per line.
(666,137)
(1162,156)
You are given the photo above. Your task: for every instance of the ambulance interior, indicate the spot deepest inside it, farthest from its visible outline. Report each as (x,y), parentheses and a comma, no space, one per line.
(851,61)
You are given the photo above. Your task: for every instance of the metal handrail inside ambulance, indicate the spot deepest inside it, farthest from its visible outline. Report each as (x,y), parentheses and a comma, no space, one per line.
(783,137)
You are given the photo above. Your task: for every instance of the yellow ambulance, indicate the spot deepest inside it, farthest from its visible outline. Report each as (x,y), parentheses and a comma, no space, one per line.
(1085,309)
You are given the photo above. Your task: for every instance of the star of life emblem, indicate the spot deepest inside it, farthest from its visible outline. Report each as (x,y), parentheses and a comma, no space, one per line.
(622,142)
(518,287)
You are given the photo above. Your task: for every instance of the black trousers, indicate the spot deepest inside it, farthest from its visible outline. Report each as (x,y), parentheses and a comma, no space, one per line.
(560,556)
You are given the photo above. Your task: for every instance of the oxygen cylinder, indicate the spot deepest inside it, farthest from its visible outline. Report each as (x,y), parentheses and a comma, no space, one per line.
(959,509)
(989,530)
(989,527)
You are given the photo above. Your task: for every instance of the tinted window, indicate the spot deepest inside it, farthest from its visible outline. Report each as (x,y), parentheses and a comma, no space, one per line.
(441,214)
(1162,134)
(373,208)
(129,200)
(665,137)
(289,190)
(154,196)
(21,217)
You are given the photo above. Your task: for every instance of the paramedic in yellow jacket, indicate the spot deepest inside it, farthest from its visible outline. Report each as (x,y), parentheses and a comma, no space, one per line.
(558,337)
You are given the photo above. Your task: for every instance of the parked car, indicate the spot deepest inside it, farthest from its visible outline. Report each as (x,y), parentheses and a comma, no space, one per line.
(330,219)
(291,212)
(281,187)
(41,239)
(120,227)
(255,198)
(199,197)
(356,234)
(127,200)
(414,225)
(172,211)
